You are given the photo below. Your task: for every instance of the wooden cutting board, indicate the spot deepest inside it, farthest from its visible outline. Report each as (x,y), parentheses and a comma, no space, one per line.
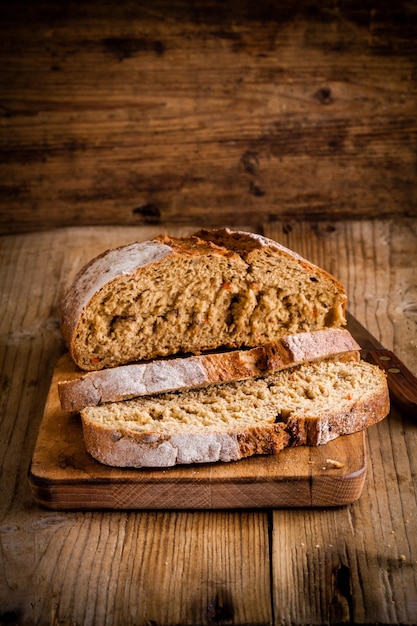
(63,475)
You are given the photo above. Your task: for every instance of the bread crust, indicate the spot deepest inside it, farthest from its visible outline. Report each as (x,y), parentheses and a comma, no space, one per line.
(157,450)
(244,243)
(129,381)
(127,262)
(102,270)
(122,446)
(317,431)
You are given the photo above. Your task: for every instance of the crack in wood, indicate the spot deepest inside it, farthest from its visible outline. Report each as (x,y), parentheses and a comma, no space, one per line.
(341,606)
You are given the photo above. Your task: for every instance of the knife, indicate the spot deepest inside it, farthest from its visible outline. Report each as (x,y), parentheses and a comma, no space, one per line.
(402,383)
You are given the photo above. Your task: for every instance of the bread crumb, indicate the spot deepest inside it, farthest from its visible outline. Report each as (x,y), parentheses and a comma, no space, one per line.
(333,464)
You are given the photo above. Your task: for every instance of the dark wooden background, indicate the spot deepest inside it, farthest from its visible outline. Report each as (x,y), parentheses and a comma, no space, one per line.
(207,113)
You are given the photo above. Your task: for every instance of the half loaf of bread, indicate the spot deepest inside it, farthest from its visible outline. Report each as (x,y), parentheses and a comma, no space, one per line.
(308,404)
(192,294)
(161,375)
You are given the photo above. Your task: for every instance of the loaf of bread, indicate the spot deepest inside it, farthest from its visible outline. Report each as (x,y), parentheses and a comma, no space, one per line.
(307,404)
(160,375)
(193,294)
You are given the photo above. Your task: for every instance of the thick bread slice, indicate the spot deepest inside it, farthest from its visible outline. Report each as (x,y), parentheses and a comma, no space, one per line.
(188,295)
(141,379)
(309,404)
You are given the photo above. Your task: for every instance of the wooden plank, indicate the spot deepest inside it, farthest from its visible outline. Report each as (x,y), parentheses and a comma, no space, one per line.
(210,114)
(64,476)
(360,563)
(136,568)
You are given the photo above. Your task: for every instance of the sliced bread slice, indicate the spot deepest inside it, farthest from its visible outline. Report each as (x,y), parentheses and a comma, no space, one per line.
(309,404)
(139,379)
(193,294)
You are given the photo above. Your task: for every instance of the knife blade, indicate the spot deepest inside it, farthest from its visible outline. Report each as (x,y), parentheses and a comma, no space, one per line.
(402,383)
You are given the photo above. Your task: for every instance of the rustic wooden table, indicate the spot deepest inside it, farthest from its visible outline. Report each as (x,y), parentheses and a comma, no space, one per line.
(301,566)
(123,120)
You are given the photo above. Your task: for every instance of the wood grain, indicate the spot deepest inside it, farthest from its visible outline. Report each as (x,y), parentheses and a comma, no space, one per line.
(356,563)
(210,113)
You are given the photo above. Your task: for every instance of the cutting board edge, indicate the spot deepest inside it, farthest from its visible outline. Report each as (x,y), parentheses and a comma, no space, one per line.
(275,493)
